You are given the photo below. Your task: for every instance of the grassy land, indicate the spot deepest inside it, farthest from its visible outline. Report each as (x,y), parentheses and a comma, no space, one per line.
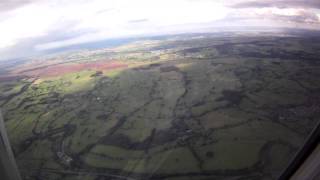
(184,108)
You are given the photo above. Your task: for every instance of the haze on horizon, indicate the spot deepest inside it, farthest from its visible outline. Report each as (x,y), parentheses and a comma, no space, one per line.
(31,27)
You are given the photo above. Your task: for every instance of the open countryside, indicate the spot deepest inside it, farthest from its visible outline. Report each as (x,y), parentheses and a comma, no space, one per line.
(194,106)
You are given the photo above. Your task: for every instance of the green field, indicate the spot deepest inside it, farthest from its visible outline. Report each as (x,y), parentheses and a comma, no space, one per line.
(205,107)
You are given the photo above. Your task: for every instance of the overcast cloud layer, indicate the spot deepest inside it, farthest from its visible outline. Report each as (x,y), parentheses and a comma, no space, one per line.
(30,27)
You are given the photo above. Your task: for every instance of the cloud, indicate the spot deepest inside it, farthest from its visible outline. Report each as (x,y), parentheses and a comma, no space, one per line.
(6,5)
(301,16)
(103,18)
(49,24)
(138,21)
(278,3)
(290,15)
(301,13)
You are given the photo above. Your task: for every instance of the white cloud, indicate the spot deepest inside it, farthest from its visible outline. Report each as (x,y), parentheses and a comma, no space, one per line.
(88,21)
(107,18)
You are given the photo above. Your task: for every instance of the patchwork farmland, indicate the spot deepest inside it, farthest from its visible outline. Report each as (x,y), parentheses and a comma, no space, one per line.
(183,107)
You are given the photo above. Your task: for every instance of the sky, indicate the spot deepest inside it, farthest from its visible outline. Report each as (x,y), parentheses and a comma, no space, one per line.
(31,27)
